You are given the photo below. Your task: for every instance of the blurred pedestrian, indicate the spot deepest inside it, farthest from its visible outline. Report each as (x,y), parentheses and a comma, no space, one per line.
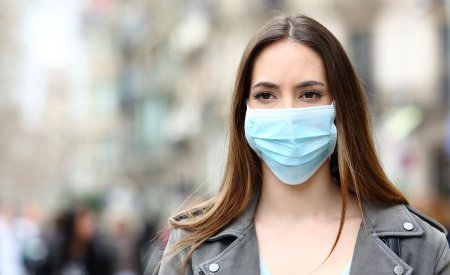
(10,250)
(77,247)
(304,191)
(28,229)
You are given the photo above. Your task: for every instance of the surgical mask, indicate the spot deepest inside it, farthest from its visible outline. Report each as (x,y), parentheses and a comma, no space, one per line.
(295,142)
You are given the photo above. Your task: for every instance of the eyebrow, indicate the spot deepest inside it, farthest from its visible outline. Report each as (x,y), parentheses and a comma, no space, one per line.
(307,83)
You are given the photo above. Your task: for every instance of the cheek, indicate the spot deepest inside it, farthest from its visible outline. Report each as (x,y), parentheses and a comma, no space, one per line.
(252,103)
(328,99)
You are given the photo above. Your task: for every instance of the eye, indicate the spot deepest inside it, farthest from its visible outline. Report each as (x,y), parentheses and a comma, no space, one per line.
(311,96)
(264,96)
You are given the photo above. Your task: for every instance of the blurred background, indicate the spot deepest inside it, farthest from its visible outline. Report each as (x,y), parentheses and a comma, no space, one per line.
(114,112)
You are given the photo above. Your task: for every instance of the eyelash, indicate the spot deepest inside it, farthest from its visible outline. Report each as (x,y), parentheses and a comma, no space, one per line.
(259,95)
(313,92)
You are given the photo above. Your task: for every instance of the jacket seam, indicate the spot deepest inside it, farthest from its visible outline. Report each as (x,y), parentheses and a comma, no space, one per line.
(439,256)
(367,218)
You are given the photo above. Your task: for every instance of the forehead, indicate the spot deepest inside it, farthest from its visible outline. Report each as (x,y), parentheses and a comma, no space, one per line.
(287,60)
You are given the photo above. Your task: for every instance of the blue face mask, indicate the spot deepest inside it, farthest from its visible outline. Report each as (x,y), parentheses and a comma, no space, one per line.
(294,143)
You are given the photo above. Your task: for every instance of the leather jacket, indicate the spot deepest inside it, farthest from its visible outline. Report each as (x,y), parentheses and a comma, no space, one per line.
(421,249)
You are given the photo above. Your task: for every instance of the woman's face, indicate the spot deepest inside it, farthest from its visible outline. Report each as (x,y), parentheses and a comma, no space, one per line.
(288,74)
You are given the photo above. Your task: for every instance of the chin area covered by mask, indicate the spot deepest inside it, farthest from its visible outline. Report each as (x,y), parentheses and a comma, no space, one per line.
(293,142)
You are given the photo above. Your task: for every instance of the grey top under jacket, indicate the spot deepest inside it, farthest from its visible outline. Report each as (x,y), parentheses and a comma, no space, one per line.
(234,250)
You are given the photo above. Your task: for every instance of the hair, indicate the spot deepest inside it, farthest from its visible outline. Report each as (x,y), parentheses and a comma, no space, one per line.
(354,162)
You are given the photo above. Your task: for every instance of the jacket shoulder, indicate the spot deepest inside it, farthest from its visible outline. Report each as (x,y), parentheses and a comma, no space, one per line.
(176,234)
(400,220)
(414,239)
(169,262)
(433,246)
(428,221)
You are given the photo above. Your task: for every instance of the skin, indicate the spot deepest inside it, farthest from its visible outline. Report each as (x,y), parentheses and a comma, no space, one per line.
(296,225)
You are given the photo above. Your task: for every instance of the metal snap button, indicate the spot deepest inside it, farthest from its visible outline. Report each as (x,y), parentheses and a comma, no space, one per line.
(214,267)
(399,270)
(408,226)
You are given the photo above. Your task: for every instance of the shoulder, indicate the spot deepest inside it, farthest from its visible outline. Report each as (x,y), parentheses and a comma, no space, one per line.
(434,237)
(184,224)
(170,260)
(416,240)
(423,240)
(400,218)
(403,221)
(427,222)
(432,245)
(176,234)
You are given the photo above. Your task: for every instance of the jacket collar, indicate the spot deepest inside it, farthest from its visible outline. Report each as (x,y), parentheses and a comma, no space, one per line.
(240,224)
(383,222)
(390,221)
(243,253)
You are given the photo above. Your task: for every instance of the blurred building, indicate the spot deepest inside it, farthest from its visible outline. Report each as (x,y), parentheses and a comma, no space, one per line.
(130,98)
(401,52)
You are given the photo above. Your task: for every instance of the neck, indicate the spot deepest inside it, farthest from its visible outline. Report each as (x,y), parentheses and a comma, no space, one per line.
(318,197)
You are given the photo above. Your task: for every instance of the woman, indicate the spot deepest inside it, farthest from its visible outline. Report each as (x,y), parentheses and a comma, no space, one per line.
(303,191)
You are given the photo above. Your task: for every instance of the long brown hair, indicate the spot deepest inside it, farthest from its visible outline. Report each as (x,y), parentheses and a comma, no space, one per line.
(354,163)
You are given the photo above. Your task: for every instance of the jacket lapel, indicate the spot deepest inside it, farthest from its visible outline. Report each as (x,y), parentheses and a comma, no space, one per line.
(371,254)
(372,257)
(242,255)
